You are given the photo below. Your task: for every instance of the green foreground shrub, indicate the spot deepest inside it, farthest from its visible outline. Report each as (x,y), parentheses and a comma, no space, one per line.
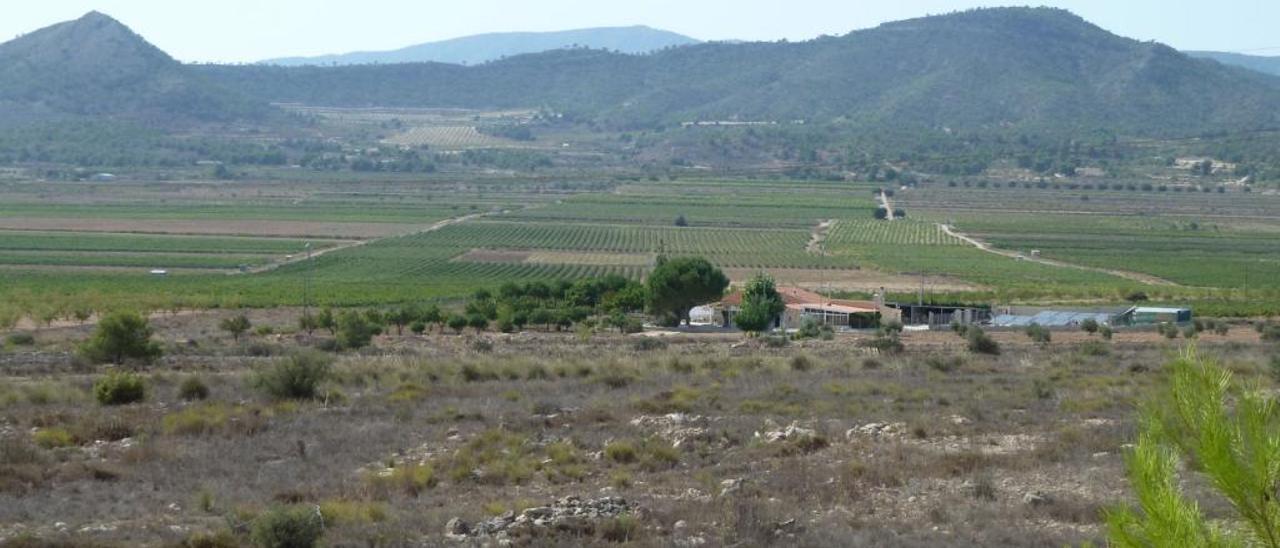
(297,377)
(119,389)
(287,527)
(1222,430)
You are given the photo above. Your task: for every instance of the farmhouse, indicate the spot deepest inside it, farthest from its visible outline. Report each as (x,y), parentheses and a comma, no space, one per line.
(803,305)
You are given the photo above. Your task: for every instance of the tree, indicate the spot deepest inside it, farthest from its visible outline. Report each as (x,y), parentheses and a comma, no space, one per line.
(308,323)
(401,317)
(1089,326)
(1219,429)
(327,321)
(678,285)
(236,326)
(882,213)
(432,315)
(761,303)
(681,221)
(354,330)
(477,322)
(457,323)
(121,336)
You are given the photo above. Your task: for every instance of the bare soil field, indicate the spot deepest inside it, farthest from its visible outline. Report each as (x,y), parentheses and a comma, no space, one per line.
(283,229)
(543,439)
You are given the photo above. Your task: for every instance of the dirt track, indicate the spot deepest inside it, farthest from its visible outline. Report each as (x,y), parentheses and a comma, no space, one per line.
(1135,276)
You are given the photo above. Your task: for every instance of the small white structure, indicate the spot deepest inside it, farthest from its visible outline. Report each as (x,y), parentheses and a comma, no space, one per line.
(159,272)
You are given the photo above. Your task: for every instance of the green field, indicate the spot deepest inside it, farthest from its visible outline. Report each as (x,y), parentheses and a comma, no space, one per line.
(742,224)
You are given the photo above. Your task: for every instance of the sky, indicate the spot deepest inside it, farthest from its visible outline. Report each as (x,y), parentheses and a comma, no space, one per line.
(251,30)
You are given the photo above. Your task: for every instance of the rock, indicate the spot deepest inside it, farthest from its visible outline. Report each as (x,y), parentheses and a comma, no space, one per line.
(731,486)
(792,431)
(457,528)
(786,528)
(680,525)
(1036,498)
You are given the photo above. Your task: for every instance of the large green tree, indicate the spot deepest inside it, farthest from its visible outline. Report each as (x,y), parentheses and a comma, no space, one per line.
(761,303)
(678,285)
(121,336)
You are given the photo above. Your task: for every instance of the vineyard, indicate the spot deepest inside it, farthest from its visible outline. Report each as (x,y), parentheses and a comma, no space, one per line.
(448,137)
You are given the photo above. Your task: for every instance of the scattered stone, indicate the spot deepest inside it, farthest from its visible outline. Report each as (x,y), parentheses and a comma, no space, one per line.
(731,486)
(876,430)
(791,432)
(456,528)
(569,513)
(786,528)
(1036,498)
(679,525)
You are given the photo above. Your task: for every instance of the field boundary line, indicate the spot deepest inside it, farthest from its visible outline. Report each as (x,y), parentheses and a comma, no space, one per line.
(302,257)
(1128,275)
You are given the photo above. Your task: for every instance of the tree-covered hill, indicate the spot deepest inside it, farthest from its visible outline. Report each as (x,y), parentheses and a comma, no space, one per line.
(483,48)
(1261,63)
(96,67)
(1031,68)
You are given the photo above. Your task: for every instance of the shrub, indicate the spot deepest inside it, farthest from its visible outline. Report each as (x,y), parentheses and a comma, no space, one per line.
(21,339)
(220,539)
(646,344)
(944,364)
(620,529)
(980,342)
(419,327)
(1089,326)
(119,389)
(121,336)
(1039,333)
(621,452)
(1271,333)
(801,363)
(236,326)
(775,341)
(457,323)
(1105,332)
(1095,348)
(295,378)
(53,438)
(354,330)
(192,388)
(885,342)
(287,527)
(809,329)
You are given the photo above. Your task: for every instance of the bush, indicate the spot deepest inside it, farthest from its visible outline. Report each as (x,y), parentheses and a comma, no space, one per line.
(1089,326)
(418,327)
(621,452)
(944,364)
(809,329)
(646,344)
(297,377)
(980,342)
(236,326)
(192,388)
(886,343)
(287,527)
(121,336)
(801,363)
(53,438)
(354,330)
(1095,348)
(1039,333)
(119,389)
(21,339)
(1105,332)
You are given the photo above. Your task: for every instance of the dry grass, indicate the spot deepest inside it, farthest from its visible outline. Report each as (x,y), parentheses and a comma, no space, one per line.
(1021,449)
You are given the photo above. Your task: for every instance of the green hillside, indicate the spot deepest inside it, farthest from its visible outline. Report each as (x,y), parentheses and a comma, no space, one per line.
(1034,68)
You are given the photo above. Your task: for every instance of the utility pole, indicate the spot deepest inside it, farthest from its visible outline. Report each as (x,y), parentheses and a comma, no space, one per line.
(306,283)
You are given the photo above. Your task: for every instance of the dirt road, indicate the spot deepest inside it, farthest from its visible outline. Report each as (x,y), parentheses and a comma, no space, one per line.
(887,204)
(303,256)
(1135,276)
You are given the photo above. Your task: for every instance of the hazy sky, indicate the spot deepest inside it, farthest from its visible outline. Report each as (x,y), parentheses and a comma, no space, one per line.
(250,30)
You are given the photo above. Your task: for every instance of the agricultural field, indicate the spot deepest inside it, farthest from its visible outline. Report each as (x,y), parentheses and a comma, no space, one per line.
(441,238)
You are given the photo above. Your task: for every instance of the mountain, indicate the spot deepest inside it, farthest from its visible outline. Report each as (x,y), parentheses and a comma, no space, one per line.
(1260,63)
(1030,68)
(96,67)
(482,48)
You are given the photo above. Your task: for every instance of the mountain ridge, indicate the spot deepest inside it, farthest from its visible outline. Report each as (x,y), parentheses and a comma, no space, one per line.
(481,48)
(1260,63)
(989,68)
